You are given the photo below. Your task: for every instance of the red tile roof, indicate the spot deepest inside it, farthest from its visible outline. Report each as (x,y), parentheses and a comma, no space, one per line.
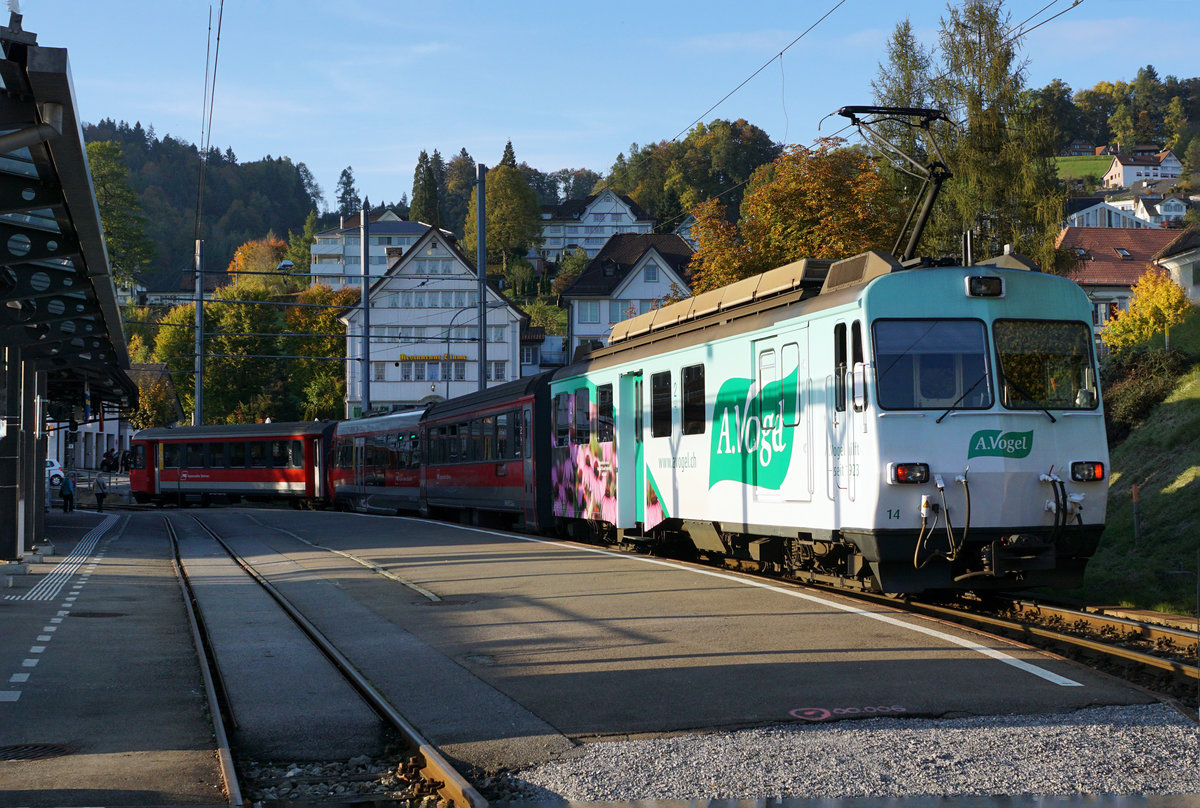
(1102,264)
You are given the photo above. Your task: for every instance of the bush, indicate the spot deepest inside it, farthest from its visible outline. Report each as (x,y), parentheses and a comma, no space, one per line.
(1134,383)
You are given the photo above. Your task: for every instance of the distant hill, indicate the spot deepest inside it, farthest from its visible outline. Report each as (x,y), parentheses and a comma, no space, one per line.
(242,201)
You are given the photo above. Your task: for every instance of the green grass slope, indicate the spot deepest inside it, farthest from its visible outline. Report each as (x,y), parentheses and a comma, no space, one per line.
(1076,168)
(1156,569)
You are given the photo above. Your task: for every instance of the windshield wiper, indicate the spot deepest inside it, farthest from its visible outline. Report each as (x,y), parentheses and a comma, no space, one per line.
(958,401)
(1005,380)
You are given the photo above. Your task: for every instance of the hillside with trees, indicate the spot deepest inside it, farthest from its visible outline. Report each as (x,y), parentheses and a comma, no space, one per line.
(242,201)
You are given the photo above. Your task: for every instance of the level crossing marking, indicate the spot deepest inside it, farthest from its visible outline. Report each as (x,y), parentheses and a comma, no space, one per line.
(970,645)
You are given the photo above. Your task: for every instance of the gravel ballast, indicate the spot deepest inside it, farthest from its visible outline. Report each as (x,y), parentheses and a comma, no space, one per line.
(1106,750)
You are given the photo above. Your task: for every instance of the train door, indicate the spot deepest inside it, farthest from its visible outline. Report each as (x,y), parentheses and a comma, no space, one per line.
(631,479)
(761,437)
(797,421)
(523,443)
(837,414)
(360,473)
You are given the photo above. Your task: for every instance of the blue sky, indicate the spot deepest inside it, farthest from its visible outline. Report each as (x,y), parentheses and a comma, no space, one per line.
(371,83)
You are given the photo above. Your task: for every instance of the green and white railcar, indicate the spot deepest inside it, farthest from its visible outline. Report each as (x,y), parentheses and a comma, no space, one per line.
(905,429)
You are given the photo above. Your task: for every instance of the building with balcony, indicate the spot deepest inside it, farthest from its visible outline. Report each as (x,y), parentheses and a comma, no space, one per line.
(336,254)
(588,223)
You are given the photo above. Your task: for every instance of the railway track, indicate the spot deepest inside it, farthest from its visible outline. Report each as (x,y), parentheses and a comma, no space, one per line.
(423,771)
(1159,657)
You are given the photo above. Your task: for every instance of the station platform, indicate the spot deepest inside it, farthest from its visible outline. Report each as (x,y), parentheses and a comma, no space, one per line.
(101,701)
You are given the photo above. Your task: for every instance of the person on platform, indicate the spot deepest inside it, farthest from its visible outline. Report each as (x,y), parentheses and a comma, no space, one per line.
(100,489)
(67,492)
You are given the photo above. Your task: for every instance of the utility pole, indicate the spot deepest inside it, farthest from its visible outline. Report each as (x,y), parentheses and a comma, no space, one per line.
(481,265)
(364,231)
(198,367)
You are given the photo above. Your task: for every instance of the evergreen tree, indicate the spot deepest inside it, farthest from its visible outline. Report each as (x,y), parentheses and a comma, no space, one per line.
(904,82)
(299,249)
(129,251)
(424,207)
(348,200)
(509,158)
(460,179)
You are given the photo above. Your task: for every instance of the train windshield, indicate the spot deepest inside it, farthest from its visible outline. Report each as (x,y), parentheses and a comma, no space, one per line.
(1045,365)
(931,364)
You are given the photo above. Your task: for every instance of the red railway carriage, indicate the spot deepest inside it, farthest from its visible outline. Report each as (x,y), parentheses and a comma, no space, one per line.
(376,463)
(484,452)
(236,461)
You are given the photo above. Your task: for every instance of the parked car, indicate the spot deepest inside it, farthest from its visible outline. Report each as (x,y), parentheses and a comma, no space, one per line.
(54,471)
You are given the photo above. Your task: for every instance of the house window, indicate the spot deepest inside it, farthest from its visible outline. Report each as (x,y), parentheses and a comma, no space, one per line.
(589,311)
(619,310)
(529,354)
(651,273)
(1125,255)
(406,371)
(496,371)
(418,371)
(460,371)
(379,371)
(496,333)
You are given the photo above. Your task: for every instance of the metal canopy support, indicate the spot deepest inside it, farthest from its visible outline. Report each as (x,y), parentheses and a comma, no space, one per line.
(60,326)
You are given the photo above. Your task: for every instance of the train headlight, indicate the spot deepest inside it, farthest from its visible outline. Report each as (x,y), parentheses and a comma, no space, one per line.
(985,286)
(908,473)
(1087,470)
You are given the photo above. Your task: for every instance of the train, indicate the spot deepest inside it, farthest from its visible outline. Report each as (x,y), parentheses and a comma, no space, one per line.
(856,422)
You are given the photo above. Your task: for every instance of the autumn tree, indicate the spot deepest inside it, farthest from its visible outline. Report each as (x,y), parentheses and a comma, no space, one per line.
(1158,303)
(241,347)
(174,346)
(320,376)
(569,269)
(258,261)
(818,202)
(512,215)
(129,251)
(156,406)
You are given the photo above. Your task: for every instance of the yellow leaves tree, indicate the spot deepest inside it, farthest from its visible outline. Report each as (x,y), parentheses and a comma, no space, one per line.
(256,257)
(1157,304)
(823,201)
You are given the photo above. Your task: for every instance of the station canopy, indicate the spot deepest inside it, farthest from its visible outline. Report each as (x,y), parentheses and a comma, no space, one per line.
(59,305)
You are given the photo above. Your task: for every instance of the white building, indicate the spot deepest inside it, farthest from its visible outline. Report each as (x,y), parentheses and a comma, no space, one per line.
(425,330)
(1091,212)
(1182,259)
(336,254)
(1125,169)
(588,223)
(631,275)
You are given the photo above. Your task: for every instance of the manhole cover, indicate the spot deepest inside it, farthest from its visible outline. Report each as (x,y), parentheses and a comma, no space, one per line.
(32,751)
(97,614)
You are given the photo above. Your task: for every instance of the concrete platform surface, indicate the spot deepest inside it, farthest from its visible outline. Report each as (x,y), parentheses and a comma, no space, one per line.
(99,678)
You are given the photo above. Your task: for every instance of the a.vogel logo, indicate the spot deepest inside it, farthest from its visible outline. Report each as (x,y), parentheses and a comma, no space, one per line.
(991,443)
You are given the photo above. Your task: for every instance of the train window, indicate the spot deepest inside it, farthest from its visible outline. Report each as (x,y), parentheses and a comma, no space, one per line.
(296,454)
(194,455)
(344,458)
(237,455)
(449,444)
(218,455)
(464,441)
(474,449)
(604,413)
(562,422)
(1045,365)
(171,453)
(856,359)
(693,400)
(503,445)
(139,456)
(790,355)
(489,438)
(258,454)
(931,364)
(839,367)
(520,430)
(660,404)
(583,417)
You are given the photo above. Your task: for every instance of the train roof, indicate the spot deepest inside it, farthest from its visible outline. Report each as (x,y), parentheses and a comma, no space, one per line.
(380,422)
(492,396)
(283,429)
